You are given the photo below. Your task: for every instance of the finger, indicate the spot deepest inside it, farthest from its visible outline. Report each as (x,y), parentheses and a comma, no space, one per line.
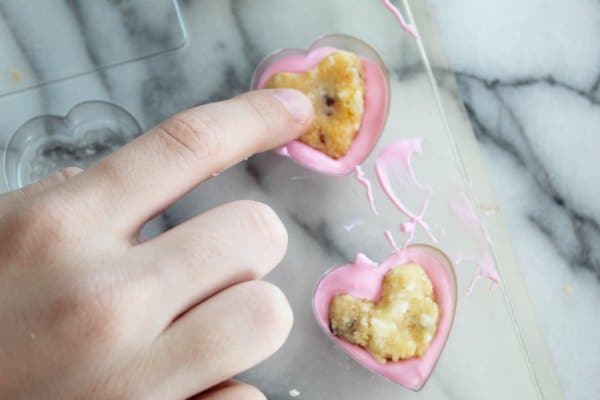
(225,335)
(230,244)
(147,175)
(231,390)
(12,199)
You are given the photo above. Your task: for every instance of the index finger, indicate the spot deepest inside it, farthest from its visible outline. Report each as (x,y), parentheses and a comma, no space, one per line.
(147,175)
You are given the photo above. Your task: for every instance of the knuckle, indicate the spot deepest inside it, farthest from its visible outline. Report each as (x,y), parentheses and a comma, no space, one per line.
(88,315)
(268,308)
(191,135)
(42,220)
(263,221)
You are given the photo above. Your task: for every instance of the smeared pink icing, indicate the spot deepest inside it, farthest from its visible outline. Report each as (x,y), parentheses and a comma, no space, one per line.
(363,280)
(403,24)
(390,238)
(464,210)
(360,177)
(409,226)
(374,116)
(397,157)
(486,268)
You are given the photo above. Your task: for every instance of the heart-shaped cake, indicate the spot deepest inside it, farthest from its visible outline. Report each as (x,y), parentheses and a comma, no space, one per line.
(392,318)
(347,83)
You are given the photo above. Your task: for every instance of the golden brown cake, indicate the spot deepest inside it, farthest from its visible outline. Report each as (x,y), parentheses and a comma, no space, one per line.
(399,326)
(337,90)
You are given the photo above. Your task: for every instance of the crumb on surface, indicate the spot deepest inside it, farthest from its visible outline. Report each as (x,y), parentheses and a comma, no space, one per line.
(337,89)
(568,289)
(490,210)
(16,74)
(400,325)
(294,392)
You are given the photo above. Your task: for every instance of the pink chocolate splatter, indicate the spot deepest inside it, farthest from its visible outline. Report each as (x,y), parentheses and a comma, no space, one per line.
(408,28)
(390,238)
(396,160)
(360,176)
(409,226)
(465,211)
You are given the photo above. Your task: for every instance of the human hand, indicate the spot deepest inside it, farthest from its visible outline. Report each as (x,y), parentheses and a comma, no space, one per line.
(88,312)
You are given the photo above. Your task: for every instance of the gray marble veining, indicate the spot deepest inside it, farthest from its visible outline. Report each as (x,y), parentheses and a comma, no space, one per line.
(530,83)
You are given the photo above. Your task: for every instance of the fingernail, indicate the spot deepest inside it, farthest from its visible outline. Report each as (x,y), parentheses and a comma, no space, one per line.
(297,104)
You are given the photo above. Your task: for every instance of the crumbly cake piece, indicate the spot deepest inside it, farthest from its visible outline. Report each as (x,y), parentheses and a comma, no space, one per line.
(399,326)
(337,90)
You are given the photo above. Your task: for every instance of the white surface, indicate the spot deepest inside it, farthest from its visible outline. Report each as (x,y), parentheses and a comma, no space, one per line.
(529,72)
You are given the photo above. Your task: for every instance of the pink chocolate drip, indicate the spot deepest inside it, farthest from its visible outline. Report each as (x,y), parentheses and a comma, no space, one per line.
(465,211)
(485,269)
(399,154)
(390,238)
(363,280)
(403,24)
(409,226)
(373,121)
(360,177)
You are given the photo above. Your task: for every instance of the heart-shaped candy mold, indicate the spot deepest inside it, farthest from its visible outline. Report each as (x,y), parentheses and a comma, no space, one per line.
(376,101)
(49,143)
(363,279)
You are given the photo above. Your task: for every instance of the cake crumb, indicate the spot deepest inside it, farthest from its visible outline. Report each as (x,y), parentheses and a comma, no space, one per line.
(336,88)
(568,289)
(489,210)
(16,74)
(399,326)
(294,392)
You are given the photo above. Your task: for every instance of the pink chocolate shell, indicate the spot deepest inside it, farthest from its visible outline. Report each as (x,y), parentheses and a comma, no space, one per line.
(363,280)
(377,97)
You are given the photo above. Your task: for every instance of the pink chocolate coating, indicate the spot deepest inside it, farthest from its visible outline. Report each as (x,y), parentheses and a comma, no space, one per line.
(363,279)
(374,117)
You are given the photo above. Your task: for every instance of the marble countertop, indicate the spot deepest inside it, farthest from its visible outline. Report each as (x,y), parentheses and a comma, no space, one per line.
(529,74)
(528,71)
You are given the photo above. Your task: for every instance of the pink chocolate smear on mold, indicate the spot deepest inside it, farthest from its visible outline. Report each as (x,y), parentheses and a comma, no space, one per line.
(390,238)
(486,268)
(360,177)
(408,28)
(397,157)
(408,227)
